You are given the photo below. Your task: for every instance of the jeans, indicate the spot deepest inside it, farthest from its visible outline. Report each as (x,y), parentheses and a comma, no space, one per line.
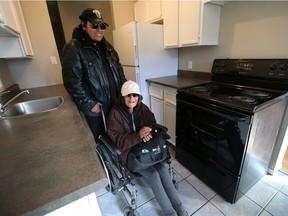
(96,125)
(164,190)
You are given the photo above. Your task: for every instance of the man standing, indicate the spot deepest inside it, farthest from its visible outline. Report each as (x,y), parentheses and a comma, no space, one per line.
(91,70)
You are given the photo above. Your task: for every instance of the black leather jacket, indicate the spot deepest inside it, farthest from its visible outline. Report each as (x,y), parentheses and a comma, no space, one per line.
(84,74)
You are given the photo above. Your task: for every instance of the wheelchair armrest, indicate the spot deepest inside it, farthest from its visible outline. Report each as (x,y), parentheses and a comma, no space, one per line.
(109,144)
(161,128)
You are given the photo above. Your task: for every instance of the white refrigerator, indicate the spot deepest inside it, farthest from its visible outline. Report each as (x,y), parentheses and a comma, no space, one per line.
(142,54)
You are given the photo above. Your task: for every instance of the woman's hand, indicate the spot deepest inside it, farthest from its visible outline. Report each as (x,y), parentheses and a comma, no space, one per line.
(145,133)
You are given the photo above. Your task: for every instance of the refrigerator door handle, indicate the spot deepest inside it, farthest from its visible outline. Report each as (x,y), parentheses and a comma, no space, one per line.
(138,76)
(136,56)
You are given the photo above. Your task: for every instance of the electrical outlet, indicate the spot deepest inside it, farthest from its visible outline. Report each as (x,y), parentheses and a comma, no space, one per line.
(190,65)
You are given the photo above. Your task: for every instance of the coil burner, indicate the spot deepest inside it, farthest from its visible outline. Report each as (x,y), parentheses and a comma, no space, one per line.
(204,89)
(256,93)
(244,99)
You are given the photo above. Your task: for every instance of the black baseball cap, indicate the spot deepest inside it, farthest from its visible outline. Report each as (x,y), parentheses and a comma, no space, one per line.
(92,15)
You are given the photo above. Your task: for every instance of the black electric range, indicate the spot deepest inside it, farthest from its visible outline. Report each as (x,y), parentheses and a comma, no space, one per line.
(226,128)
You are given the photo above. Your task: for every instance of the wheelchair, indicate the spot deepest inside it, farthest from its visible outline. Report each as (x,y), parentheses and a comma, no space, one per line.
(117,176)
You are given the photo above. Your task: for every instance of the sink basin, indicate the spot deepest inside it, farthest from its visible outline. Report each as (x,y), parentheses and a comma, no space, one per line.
(33,106)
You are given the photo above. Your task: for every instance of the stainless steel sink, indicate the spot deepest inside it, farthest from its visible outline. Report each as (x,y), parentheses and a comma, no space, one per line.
(33,106)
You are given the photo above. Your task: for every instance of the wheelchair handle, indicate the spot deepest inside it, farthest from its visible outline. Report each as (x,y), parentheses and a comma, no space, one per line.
(104,119)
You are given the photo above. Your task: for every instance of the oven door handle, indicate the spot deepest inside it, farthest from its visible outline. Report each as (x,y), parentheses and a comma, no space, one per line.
(232,115)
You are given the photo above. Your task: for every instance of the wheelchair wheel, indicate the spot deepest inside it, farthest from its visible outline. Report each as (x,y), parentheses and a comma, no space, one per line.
(128,211)
(110,185)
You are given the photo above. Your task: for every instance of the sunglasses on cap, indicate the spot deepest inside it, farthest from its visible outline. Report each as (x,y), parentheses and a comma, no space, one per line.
(97,26)
(132,95)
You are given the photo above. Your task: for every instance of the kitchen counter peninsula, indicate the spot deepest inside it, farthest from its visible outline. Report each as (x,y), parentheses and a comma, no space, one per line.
(183,79)
(47,159)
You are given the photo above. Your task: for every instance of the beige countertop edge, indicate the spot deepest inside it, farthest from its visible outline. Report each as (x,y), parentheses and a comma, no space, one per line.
(56,204)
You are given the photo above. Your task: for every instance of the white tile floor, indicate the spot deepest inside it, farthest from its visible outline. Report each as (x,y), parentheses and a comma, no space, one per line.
(268,197)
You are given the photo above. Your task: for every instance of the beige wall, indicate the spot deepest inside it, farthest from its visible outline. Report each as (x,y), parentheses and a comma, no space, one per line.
(115,13)
(5,76)
(123,12)
(247,30)
(37,71)
(70,11)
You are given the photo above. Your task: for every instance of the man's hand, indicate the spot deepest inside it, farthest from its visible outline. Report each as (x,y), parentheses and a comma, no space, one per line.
(97,108)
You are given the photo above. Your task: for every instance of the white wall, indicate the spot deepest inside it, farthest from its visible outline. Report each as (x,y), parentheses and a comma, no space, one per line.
(37,71)
(254,29)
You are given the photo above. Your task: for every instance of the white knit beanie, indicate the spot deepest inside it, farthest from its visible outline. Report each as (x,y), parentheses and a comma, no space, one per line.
(130,87)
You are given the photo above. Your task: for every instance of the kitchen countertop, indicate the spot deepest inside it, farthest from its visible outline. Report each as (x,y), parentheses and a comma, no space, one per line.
(182,80)
(48,159)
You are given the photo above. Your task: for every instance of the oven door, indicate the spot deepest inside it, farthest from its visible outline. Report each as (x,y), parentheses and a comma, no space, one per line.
(215,135)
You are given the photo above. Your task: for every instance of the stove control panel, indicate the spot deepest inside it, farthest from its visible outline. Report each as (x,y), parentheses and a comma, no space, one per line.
(258,68)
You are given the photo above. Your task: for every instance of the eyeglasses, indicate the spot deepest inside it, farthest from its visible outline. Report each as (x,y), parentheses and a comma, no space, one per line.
(132,95)
(97,26)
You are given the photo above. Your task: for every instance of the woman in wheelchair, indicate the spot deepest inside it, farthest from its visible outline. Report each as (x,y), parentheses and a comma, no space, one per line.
(130,122)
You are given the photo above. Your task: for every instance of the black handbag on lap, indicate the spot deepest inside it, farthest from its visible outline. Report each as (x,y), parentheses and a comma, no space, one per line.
(146,154)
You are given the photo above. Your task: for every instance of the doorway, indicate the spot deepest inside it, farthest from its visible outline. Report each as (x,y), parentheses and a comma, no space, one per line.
(56,25)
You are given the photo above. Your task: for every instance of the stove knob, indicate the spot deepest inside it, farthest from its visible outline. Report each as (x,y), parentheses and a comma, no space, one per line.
(283,67)
(273,67)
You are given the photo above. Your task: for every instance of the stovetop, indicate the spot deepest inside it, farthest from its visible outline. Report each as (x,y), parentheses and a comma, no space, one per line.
(245,84)
(236,96)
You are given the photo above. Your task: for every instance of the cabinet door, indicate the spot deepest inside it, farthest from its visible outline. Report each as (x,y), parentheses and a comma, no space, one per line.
(14,38)
(9,15)
(23,30)
(157,109)
(170,112)
(170,120)
(209,27)
(1,14)
(170,23)
(141,11)
(154,10)
(189,22)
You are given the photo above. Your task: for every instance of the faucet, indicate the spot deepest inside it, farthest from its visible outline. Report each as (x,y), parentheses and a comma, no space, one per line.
(5,92)
(2,93)
(3,106)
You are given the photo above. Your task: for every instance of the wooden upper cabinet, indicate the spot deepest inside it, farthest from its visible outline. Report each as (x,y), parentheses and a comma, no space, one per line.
(141,11)
(14,38)
(170,23)
(24,35)
(9,16)
(190,23)
(148,11)
(185,22)
(154,11)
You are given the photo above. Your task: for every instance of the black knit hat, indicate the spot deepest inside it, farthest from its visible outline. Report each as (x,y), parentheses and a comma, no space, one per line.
(92,15)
